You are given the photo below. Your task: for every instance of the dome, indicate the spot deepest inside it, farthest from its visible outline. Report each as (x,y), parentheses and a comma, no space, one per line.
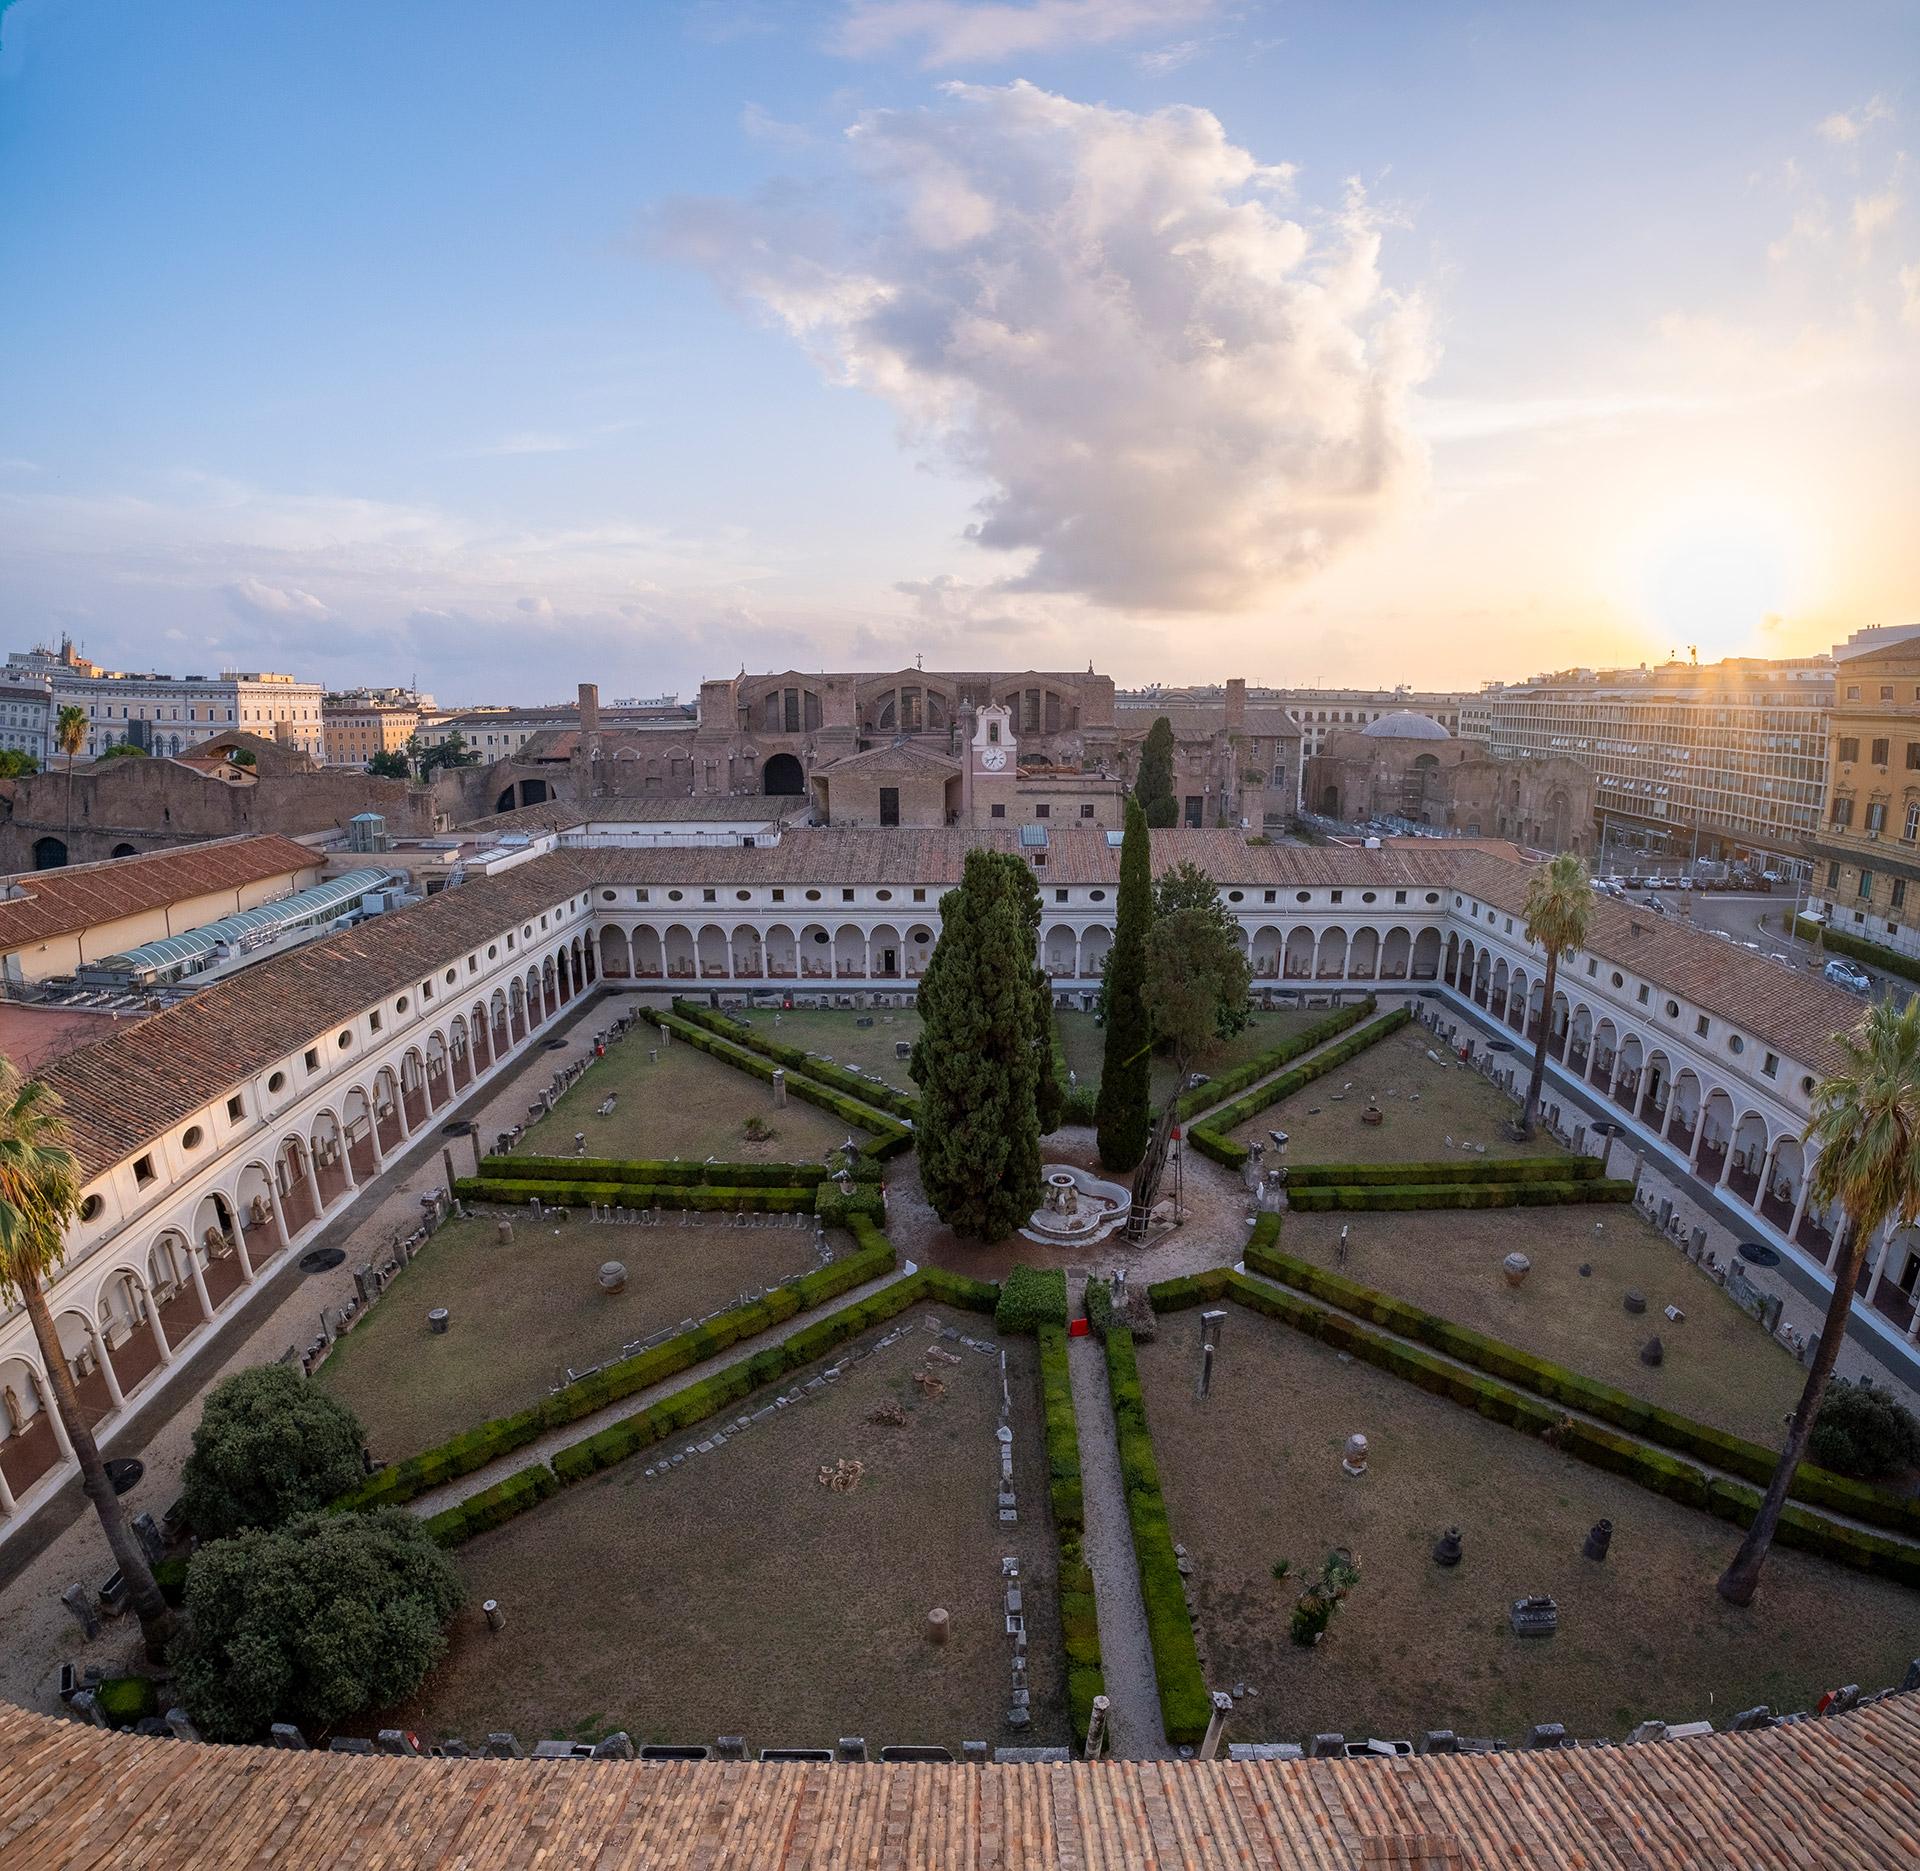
(1404,725)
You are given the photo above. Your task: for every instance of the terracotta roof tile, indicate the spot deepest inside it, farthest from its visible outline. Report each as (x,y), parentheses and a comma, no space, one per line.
(81,896)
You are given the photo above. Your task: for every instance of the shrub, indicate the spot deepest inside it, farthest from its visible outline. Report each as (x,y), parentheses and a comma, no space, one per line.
(1079,1615)
(1185,1704)
(269,1445)
(1864,1432)
(312,1623)
(126,1700)
(495,1506)
(1031,1297)
(956,1289)
(1188,1290)
(1100,1308)
(1516,1169)
(608,1169)
(796,1059)
(1534,1193)
(171,1577)
(719,1198)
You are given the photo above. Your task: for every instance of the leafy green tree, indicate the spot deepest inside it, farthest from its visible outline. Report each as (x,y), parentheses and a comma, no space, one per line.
(978,1135)
(269,1446)
(123,750)
(312,1622)
(1049,1095)
(1556,911)
(39,1194)
(1185,887)
(1153,783)
(244,757)
(17,764)
(451,752)
(390,764)
(1866,1127)
(1126,1068)
(1866,1432)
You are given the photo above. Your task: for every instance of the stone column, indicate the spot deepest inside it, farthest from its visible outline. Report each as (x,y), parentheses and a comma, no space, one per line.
(61,1440)
(1222,1708)
(6,1494)
(199,1285)
(1800,1200)
(1886,1254)
(1726,1162)
(115,1395)
(159,1331)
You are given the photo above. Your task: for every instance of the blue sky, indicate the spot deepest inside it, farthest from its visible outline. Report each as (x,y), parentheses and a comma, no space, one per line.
(512,347)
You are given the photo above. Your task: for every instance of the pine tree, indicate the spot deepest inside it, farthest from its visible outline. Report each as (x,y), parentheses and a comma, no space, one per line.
(978,1137)
(1153,784)
(1049,1094)
(1127,1066)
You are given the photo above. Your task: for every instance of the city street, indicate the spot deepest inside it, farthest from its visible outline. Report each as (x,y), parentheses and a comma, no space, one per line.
(1767,922)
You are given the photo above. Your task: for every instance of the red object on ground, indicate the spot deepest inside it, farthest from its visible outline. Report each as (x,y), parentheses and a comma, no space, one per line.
(1077,1328)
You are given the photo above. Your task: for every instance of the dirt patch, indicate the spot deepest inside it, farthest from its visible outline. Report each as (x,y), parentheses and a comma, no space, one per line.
(1083,1041)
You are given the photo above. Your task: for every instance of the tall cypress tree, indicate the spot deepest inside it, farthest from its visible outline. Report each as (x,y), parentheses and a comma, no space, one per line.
(1126,1069)
(978,1137)
(1153,784)
(1049,1095)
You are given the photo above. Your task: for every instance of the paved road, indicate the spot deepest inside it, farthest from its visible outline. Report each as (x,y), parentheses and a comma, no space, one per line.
(1767,923)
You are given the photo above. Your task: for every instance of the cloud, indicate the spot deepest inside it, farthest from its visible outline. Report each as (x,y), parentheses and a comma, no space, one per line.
(1167,58)
(1910,295)
(1178,396)
(1874,214)
(260,602)
(1851,126)
(990,32)
(762,126)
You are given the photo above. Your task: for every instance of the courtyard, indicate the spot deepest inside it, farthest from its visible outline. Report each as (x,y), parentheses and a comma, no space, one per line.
(1253,1475)
(685,1104)
(1083,1038)
(526,1310)
(739,1595)
(835,1033)
(1718,1365)
(1455,1105)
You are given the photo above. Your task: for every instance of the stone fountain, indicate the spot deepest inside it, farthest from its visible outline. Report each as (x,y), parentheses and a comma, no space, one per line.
(1076,1207)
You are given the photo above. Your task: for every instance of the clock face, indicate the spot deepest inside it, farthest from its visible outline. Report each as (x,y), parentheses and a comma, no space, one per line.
(993,758)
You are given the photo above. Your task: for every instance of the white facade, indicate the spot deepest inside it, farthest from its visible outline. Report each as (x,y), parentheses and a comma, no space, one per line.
(175,714)
(26,716)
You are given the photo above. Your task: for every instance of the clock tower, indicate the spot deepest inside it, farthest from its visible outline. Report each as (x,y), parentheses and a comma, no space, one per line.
(993,766)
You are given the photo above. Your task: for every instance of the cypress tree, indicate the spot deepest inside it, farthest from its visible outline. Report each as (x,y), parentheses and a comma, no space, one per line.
(1153,784)
(1127,1064)
(1049,1094)
(978,1136)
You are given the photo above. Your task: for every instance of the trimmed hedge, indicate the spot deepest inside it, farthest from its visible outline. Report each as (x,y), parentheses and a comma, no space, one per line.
(519,1168)
(1031,1297)
(1185,1703)
(890,1135)
(1189,1290)
(1534,1194)
(1859,1500)
(487,1442)
(583,1194)
(1210,1135)
(956,1289)
(1602,1447)
(1079,1613)
(886,1098)
(1374,1175)
(1861,950)
(495,1506)
(1251,1071)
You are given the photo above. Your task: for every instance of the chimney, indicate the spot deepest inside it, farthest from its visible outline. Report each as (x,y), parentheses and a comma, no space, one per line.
(1236,704)
(589,716)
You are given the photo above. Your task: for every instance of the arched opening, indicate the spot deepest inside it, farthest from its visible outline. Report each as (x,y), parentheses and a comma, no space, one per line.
(678,946)
(816,953)
(1298,962)
(134,1341)
(783,955)
(616,954)
(223,1259)
(124,850)
(1579,1041)
(1266,953)
(1716,1134)
(1786,1176)
(849,953)
(413,1089)
(883,949)
(460,1050)
(920,949)
(49,853)
(1453,957)
(783,776)
(1750,1146)
(516,1012)
(32,1442)
(1626,1072)
(1332,962)
(298,1204)
(173,1278)
(1497,990)
(439,1090)
(478,1033)
(356,1124)
(745,950)
(1363,955)
(1330,802)
(1606,1045)
(1426,955)
(712,949)
(1058,952)
(502,1005)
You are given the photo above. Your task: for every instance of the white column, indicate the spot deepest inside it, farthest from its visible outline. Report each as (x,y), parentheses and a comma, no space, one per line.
(6,1495)
(1800,1200)
(115,1395)
(1886,1254)
(1726,1162)
(159,1331)
(61,1440)
(200,1286)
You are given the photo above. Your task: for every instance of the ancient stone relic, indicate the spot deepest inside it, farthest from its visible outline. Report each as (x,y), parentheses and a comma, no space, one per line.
(1599,1538)
(1446,1549)
(1516,1267)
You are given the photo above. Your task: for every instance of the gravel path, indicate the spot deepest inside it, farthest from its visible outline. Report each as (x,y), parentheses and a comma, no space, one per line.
(1126,1656)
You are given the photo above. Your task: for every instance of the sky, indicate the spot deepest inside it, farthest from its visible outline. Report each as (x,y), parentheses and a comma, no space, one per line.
(499,348)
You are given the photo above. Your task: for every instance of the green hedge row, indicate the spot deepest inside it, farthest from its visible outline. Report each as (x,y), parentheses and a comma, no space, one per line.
(797,1059)
(1079,1614)
(1861,950)
(487,1442)
(1210,1135)
(838,1210)
(1189,1290)
(1606,1448)
(495,1506)
(1031,1297)
(1475,1169)
(1859,1500)
(956,1289)
(1314,1199)
(1185,1703)
(890,1135)
(1251,1071)
(582,1194)
(518,1168)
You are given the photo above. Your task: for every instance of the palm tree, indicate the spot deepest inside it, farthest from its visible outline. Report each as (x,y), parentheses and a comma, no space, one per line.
(1559,903)
(70,735)
(1866,1124)
(39,1191)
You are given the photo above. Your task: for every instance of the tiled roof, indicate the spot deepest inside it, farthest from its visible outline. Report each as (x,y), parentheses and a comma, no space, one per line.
(137,1084)
(565,815)
(1832,1795)
(1789,1007)
(1195,721)
(82,896)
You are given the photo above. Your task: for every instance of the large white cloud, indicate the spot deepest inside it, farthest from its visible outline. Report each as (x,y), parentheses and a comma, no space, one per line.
(1181,395)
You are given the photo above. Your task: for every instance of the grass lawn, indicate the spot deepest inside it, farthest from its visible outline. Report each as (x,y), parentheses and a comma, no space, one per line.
(1082,1039)
(688,1105)
(523,1312)
(1720,1366)
(737,1595)
(1323,1121)
(1253,1475)
(831,1032)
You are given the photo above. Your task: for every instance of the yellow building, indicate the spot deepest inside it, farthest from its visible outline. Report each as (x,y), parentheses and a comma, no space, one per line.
(356,731)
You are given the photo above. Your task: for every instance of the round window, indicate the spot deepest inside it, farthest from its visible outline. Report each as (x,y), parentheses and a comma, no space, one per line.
(449,977)
(90,1207)
(1433,896)
(528,930)
(190,1139)
(920,935)
(1806,1085)
(606,896)
(1735,1044)
(277,1082)
(1098,896)
(1236,896)
(820,936)
(345,1040)
(744,896)
(813,896)
(1367,896)
(1303,896)
(493,951)
(1673,1010)
(674,896)
(1456,902)
(400,1006)
(1619,980)
(884,896)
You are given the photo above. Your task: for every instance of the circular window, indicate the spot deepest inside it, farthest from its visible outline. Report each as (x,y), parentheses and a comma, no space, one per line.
(884,896)
(449,977)
(528,930)
(1456,902)
(1619,980)
(820,936)
(1433,896)
(1236,896)
(1303,896)
(1806,1085)
(744,896)
(813,896)
(345,1040)
(920,935)
(277,1082)
(606,896)
(191,1137)
(1098,896)
(1673,1010)
(1735,1043)
(400,1006)
(674,896)
(493,950)
(90,1206)
(1366,896)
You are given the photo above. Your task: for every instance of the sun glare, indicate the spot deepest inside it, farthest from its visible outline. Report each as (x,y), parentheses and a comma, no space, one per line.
(1709,571)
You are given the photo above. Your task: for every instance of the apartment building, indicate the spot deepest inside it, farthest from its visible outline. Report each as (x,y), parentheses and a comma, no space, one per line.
(355,728)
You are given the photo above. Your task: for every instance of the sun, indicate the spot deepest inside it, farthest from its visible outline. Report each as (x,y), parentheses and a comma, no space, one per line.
(1710,570)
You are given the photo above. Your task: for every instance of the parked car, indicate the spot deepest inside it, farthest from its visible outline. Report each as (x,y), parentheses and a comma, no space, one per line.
(1653,903)
(1845,974)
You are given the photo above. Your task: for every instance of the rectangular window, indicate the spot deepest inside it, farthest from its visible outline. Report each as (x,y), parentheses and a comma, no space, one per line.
(1899,897)
(1086,812)
(709,896)
(1886,691)
(236,1107)
(1877,815)
(1865,892)
(889,805)
(1913,756)
(1194,812)
(999,811)
(373,1021)
(1880,753)
(1059,896)
(1853,691)
(846,896)
(1849,747)
(1770,1065)
(1642,997)
(1399,896)
(1270,896)
(1593,967)
(1333,896)
(779,896)
(1833,875)
(143,1171)
(1842,813)
(313,1059)
(1700,1025)
(919,896)
(1043,812)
